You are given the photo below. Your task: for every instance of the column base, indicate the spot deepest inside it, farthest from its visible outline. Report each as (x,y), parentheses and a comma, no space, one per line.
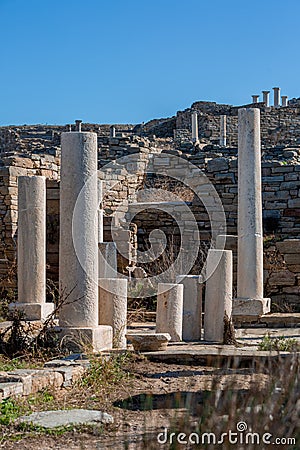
(34,311)
(86,339)
(250,307)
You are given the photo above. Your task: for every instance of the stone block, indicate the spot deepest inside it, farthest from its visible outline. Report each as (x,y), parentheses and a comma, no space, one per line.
(10,389)
(282,278)
(149,342)
(83,339)
(217,164)
(289,246)
(250,307)
(34,311)
(292,258)
(294,203)
(63,418)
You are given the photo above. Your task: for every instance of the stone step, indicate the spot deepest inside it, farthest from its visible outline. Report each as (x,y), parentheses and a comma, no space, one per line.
(273,320)
(218,356)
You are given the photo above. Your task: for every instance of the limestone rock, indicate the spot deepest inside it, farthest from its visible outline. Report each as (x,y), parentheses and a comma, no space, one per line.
(62,418)
(146,342)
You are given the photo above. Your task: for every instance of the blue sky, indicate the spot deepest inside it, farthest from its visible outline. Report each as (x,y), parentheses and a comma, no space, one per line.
(118,61)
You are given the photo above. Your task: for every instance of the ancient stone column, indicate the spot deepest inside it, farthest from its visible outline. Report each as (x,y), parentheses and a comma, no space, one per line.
(100,211)
(169,310)
(107,260)
(112,131)
(250,299)
(223,131)
(276,96)
(218,294)
(266,95)
(113,308)
(195,137)
(78,250)
(284,100)
(255,98)
(192,306)
(78,125)
(32,248)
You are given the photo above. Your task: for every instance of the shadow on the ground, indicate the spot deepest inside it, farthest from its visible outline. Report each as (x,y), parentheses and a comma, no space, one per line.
(192,401)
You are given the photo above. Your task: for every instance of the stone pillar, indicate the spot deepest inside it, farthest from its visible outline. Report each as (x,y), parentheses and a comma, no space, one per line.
(276,96)
(266,95)
(100,211)
(169,310)
(112,131)
(284,100)
(229,242)
(107,265)
(218,294)
(250,299)
(192,306)
(113,308)
(255,98)
(78,250)
(195,137)
(32,248)
(223,131)
(78,125)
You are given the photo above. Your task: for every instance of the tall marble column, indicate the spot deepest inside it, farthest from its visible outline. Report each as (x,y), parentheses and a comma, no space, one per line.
(112,131)
(195,137)
(255,98)
(78,251)
(250,299)
(78,125)
(100,211)
(223,130)
(276,96)
(284,100)
(266,96)
(32,248)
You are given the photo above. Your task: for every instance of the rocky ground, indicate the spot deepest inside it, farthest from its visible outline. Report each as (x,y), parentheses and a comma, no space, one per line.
(144,399)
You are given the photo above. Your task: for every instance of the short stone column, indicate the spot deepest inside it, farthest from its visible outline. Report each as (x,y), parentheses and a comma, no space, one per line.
(107,266)
(112,131)
(284,100)
(78,250)
(223,130)
(255,98)
(195,137)
(169,310)
(192,306)
(250,299)
(229,242)
(218,294)
(266,96)
(113,308)
(276,96)
(32,248)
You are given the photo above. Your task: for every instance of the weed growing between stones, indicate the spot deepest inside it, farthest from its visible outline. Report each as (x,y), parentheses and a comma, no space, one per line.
(280,344)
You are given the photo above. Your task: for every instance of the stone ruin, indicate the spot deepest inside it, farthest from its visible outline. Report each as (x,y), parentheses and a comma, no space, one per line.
(98,172)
